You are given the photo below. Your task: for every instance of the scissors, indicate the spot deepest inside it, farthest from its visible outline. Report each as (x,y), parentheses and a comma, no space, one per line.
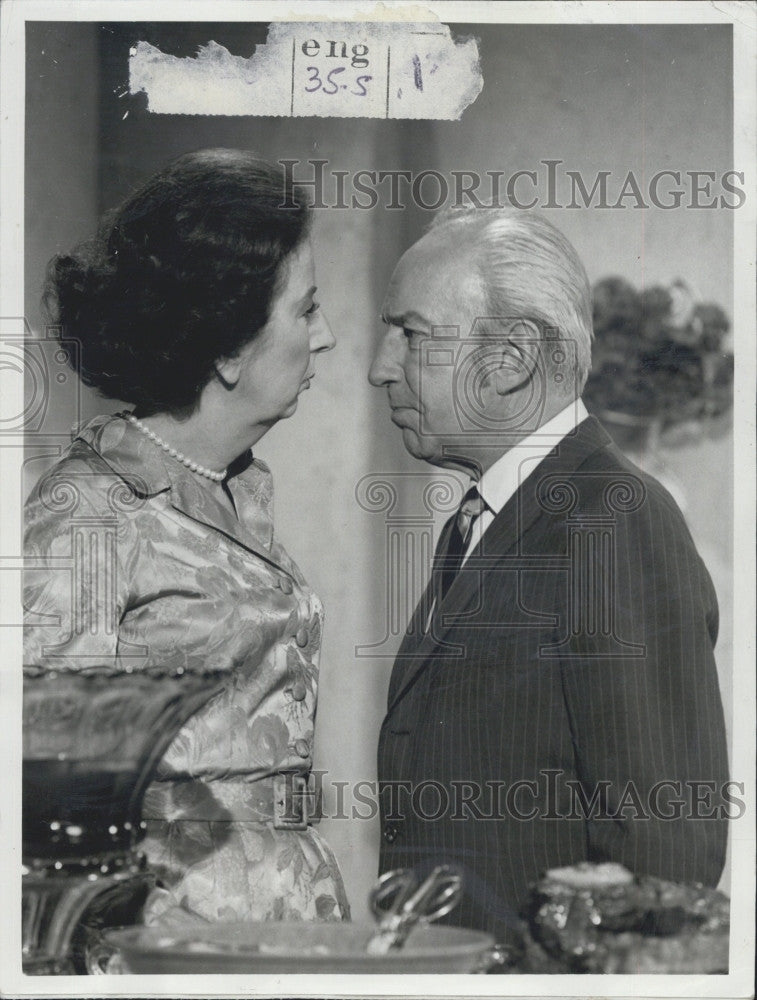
(399,901)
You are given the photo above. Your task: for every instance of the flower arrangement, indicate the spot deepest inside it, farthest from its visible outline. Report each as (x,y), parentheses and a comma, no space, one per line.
(659,357)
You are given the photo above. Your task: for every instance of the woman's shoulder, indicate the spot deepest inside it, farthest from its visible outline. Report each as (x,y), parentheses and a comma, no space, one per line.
(85,481)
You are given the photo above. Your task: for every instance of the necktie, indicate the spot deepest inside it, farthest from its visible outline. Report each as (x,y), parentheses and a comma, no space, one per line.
(472,506)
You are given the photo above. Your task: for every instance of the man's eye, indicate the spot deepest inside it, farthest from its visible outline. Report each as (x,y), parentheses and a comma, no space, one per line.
(409,333)
(313,309)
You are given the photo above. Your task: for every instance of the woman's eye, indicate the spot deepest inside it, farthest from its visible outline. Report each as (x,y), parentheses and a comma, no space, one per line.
(409,333)
(313,309)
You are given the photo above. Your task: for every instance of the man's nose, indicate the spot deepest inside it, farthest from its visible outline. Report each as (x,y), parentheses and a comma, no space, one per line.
(323,338)
(383,371)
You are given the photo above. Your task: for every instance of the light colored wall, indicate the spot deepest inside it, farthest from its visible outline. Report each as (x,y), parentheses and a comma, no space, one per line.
(619,99)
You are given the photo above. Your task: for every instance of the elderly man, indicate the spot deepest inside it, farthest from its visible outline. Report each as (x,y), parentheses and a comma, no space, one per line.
(555,698)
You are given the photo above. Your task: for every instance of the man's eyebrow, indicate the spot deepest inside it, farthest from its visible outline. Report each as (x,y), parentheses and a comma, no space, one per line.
(409,318)
(308,295)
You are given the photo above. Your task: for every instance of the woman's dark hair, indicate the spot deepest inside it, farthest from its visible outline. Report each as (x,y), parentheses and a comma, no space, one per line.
(181,274)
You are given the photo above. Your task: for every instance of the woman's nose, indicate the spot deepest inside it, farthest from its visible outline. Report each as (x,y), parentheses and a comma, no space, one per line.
(323,339)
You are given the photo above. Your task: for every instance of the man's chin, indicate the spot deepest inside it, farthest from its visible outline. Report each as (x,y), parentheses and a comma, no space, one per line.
(419,446)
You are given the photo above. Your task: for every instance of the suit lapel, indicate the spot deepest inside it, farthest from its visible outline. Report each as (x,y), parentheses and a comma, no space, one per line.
(417,650)
(416,630)
(502,538)
(413,648)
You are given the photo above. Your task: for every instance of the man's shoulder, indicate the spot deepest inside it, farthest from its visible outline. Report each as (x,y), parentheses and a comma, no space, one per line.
(610,482)
(616,466)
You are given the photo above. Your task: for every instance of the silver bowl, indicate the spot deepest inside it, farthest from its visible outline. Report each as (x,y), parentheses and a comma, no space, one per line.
(297,947)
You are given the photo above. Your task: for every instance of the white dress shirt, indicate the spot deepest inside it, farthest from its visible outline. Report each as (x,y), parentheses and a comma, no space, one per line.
(503,479)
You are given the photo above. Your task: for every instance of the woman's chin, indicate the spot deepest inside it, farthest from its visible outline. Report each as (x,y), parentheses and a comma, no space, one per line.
(286,411)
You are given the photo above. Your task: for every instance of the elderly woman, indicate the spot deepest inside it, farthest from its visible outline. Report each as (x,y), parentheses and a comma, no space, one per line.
(196,304)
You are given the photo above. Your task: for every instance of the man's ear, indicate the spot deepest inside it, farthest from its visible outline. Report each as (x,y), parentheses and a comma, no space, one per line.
(228,370)
(519,357)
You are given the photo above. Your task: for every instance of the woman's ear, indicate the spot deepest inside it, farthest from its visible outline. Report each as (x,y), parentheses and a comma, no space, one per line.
(519,357)
(228,370)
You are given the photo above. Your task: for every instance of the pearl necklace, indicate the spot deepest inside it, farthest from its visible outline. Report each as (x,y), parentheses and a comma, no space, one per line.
(217,477)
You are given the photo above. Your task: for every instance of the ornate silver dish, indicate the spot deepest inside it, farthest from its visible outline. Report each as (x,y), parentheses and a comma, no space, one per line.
(289,947)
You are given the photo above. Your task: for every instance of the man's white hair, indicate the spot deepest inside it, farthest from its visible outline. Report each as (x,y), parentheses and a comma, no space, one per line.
(531,271)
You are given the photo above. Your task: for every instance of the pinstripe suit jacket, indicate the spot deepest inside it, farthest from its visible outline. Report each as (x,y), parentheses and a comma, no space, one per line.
(572,657)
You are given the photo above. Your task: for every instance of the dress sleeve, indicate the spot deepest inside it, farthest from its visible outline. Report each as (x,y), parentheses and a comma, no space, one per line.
(648,721)
(74,582)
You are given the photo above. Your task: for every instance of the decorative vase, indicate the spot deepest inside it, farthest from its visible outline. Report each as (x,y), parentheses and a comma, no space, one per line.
(92,739)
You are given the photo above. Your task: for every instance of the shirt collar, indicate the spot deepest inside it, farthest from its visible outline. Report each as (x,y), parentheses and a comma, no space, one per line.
(502,479)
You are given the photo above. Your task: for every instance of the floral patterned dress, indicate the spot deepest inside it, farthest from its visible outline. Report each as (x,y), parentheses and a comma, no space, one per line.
(175,579)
